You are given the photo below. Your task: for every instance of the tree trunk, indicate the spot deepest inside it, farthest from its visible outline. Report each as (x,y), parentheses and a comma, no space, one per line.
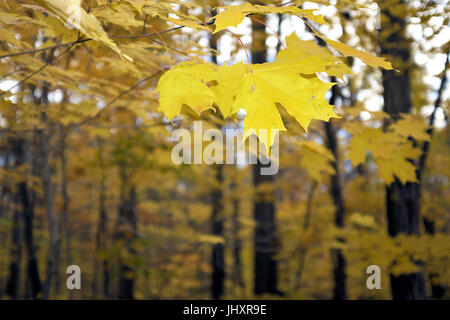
(102,231)
(218,261)
(53,255)
(237,245)
(65,225)
(306,222)
(12,286)
(33,281)
(339,263)
(266,240)
(126,233)
(437,290)
(402,201)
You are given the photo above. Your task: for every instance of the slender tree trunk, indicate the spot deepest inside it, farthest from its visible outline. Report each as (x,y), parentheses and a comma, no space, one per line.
(402,201)
(266,239)
(4,206)
(65,225)
(33,281)
(306,223)
(339,263)
(53,255)
(237,245)
(102,230)
(4,185)
(437,290)
(217,261)
(126,233)
(217,257)
(12,286)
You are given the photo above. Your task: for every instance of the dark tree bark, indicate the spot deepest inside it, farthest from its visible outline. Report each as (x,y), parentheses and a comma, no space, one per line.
(65,223)
(126,233)
(339,264)
(237,245)
(437,290)
(23,226)
(402,201)
(101,237)
(54,243)
(218,261)
(33,281)
(12,286)
(266,239)
(34,286)
(217,257)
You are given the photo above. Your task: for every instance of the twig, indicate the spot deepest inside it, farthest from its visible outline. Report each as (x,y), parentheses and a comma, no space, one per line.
(142,35)
(120,95)
(39,70)
(430,131)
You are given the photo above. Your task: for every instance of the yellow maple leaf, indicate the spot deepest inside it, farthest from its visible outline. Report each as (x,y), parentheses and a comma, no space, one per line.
(366,57)
(316,160)
(186,84)
(227,83)
(391,153)
(233,15)
(270,84)
(71,11)
(308,57)
(411,126)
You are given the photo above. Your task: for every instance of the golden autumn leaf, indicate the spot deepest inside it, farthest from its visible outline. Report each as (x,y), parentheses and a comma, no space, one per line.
(410,126)
(227,83)
(233,15)
(308,57)
(316,159)
(366,57)
(186,84)
(270,84)
(71,11)
(391,153)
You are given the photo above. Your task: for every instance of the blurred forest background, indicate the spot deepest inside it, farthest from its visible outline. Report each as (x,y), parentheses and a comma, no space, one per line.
(87,176)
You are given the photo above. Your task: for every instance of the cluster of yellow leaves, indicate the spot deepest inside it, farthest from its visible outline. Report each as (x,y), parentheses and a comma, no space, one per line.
(233,15)
(391,150)
(71,11)
(289,81)
(316,160)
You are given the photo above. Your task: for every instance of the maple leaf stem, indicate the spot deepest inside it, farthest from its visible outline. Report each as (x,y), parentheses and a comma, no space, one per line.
(313,30)
(243,47)
(271,29)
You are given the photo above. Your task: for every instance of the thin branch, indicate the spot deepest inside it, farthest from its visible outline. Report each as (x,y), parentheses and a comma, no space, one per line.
(38,70)
(44,49)
(120,95)
(430,131)
(145,35)
(142,35)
